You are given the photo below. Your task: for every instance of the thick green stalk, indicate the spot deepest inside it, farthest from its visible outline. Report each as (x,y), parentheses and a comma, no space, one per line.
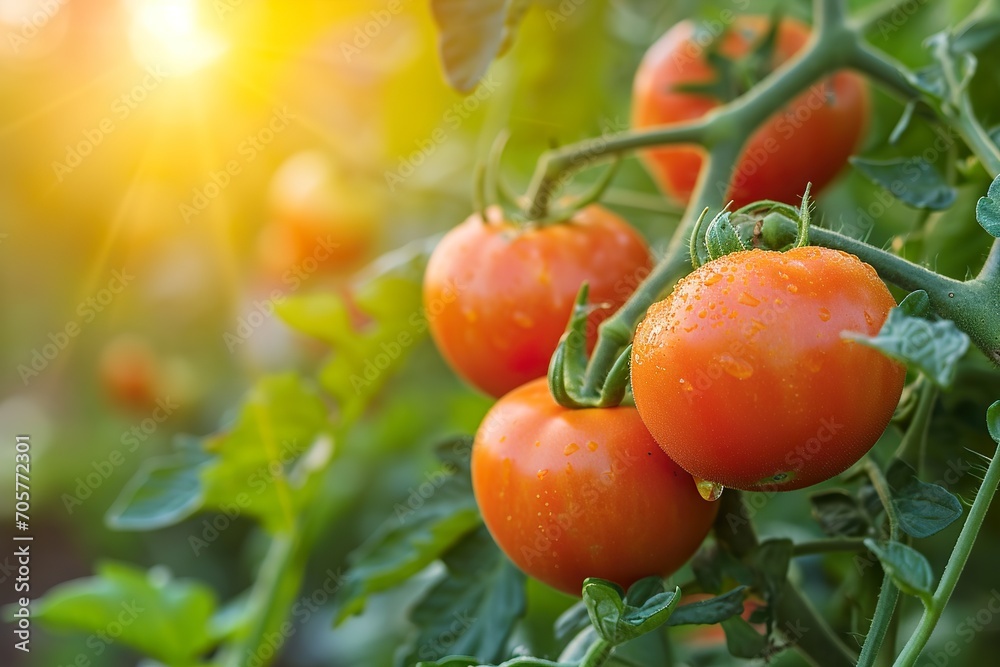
(953,570)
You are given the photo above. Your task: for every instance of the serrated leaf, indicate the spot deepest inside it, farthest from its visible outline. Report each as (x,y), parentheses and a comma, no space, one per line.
(711,611)
(932,347)
(471,34)
(839,514)
(253,469)
(164,491)
(474,609)
(742,640)
(619,617)
(923,509)
(164,618)
(908,568)
(722,238)
(914,181)
(988,209)
(420,531)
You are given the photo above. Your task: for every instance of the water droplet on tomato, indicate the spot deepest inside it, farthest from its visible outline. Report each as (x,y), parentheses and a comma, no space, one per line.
(592,446)
(748,299)
(738,368)
(570,448)
(710,491)
(782,275)
(542,474)
(869,320)
(824,314)
(702,313)
(691,328)
(792,289)
(712,279)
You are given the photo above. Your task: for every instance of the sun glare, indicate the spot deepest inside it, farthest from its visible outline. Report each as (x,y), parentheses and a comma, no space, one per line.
(168,34)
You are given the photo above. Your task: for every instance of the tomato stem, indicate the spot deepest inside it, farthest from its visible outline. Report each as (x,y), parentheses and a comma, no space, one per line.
(956,563)
(916,433)
(889,594)
(598,654)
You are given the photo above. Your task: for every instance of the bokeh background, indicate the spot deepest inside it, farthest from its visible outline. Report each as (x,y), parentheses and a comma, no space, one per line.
(165,169)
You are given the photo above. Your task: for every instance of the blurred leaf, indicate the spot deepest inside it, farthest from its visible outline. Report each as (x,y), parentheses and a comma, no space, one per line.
(742,640)
(167,619)
(164,491)
(421,530)
(252,472)
(993,421)
(839,514)
(620,618)
(390,293)
(474,609)
(923,509)
(711,611)
(572,621)
(913,181)
(907,567)
(988,209)
(932,347)
(471,34)
(981,33)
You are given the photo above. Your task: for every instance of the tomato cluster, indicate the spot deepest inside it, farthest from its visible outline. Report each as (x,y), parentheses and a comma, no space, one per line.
(741,377)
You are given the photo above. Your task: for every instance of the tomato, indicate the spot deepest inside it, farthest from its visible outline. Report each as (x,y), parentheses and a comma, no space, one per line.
(319,222)
(130,373)
(742,375)
(570,494)
(809,141)
(498,295)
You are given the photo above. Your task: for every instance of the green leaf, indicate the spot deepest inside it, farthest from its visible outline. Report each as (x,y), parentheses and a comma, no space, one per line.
(164,618)
(164,491)
(913,181)
(742,640)
(932,347)
(572,621)
(259,468)
(980,34)
(471,34)
(618,618)
(993,421)
(420,531)
(916,304)
(474,609)
(923,509)
(839,514)
(390,293)
(770,560)
(908,568)
(988,209)
(711,611)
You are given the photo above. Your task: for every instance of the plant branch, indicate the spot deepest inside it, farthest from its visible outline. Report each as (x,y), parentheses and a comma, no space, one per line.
(953,570)
(889,593)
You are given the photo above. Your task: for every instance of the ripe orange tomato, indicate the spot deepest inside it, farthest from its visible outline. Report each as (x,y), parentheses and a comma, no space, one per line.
(319,223)
(570,494)
(808,141)
(498,296)
(742,375)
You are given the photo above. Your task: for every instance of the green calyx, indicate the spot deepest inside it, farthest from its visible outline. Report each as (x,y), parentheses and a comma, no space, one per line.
(568,367)
(744,229)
